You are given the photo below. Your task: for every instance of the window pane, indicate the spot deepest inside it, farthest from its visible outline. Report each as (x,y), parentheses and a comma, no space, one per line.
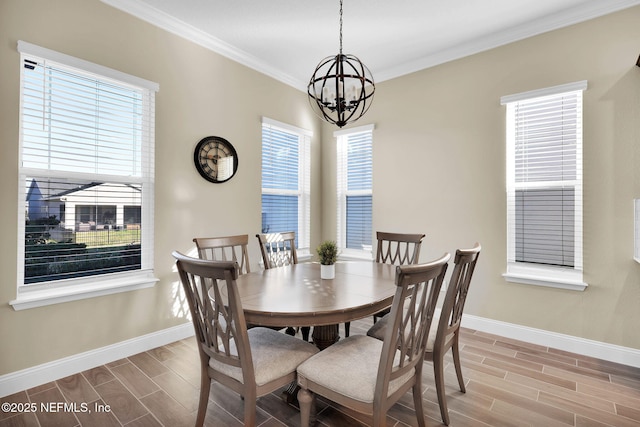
(75,123)
(359,159)
(280,153)
(546,139)
(79,228)
(279,213)
(359,222)
(545,226)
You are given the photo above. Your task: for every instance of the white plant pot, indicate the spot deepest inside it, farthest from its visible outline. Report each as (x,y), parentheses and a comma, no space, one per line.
(327,271)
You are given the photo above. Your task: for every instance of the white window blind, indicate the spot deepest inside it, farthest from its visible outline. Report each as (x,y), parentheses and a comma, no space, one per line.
(86,170)
(355,188)
(286,180)
(544,177)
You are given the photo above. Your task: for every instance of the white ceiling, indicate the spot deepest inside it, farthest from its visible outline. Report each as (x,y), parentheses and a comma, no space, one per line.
(286,39)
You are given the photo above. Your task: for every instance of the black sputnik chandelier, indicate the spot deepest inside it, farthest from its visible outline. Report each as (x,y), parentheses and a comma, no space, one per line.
(341,89)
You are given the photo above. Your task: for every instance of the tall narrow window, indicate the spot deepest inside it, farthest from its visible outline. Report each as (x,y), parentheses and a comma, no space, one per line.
(286,180)
(544,186)
(355,189)
(86,176)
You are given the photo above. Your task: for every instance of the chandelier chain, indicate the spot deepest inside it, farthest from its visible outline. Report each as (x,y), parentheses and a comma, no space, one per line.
(340,27)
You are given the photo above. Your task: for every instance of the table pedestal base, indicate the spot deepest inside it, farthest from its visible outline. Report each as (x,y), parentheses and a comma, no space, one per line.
(324,336)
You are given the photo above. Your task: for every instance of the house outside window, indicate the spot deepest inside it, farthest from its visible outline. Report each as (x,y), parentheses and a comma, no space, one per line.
(544,186)
(286,181)
(355,190)
(86,166)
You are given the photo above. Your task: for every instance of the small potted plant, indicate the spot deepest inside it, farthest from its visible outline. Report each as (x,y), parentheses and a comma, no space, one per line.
(328,253)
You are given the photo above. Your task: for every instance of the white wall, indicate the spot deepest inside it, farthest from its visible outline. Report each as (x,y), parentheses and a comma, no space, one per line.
(439,169)
(201,94)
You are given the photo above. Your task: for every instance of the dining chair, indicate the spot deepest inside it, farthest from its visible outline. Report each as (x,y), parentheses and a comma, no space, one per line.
(228,248)
(394,248)
(369,375)
(445,330)
(279,250)
(251,362)
(398,249)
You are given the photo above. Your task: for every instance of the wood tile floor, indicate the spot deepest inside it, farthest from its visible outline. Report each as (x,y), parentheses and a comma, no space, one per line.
(509,383)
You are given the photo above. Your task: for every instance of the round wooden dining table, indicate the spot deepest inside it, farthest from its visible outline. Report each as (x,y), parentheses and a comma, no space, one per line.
(296,296)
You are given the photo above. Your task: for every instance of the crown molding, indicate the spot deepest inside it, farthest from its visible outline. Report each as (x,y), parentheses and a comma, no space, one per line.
(569,17)
(593,9)
(175,26)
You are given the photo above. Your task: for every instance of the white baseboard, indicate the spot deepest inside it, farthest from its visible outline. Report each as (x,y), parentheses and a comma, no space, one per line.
(610,352)
(41,374)
(31,377)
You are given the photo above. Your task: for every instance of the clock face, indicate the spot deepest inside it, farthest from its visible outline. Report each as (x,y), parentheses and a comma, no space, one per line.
(215,159)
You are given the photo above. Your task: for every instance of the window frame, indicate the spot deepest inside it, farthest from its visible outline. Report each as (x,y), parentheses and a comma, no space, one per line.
(59,291)
(342,138)
(303,233)
(636,230)
(570,278)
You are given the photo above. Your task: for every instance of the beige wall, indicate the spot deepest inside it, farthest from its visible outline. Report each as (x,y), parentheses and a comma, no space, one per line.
(439,168)
(201,93)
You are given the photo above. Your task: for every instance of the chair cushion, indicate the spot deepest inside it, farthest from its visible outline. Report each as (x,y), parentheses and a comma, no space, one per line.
(379,328)
(349,367)
(274,355)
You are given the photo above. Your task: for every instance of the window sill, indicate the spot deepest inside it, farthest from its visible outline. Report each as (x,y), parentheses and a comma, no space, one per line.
(545,276)
(354,255)
(304,255)
(42,296)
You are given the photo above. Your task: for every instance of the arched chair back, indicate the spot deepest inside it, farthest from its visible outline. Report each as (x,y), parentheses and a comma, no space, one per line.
(228,248)
(398,248)
(278,249)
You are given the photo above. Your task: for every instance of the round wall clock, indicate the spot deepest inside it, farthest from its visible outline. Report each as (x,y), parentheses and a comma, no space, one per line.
(215,158)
